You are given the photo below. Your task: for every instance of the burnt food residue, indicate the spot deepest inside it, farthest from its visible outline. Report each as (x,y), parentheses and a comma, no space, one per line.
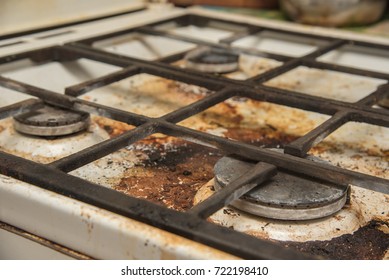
(367,243)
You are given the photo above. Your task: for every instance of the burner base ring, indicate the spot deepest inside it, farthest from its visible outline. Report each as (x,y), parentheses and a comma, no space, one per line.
(286,196)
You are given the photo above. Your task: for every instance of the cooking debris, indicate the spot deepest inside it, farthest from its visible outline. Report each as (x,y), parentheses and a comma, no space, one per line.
(369,242)
(170,171)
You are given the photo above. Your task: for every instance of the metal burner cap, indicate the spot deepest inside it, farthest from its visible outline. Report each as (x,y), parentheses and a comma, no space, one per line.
(51,121)
(212,61)
(285,196)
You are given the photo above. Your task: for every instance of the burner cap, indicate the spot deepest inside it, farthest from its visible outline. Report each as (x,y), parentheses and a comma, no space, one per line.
(285,196)
(51,121)
(212,61)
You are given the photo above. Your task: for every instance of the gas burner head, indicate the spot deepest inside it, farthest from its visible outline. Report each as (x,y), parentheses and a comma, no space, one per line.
(51,121)
(212,61)
(285,196)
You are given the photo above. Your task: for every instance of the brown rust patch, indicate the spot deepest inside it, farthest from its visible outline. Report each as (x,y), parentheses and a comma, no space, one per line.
(367,243)
(171,173)
(255,122)
(258,234)
(147,95)
(112,127)
(264,137)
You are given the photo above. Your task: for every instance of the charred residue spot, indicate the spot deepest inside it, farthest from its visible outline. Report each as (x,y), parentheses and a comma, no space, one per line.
(171,173)
(255,122)
(264,137)
(230,212)
(368,242)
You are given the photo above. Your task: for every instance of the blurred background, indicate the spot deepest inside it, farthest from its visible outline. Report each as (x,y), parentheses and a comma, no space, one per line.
(369,16)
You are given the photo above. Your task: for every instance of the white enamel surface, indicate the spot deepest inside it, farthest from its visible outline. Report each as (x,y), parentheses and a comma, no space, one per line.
(278,43)
(143,46)
(89,230)
(8,97)
(325,83)
(14,247)
(207,33)
(359,57)
(57,76)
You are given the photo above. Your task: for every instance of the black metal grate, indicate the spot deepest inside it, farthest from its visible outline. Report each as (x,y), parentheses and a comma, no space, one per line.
(192,224)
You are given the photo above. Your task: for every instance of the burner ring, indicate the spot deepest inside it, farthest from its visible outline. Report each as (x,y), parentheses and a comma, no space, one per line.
(212,61)
(51,121)
(285,196)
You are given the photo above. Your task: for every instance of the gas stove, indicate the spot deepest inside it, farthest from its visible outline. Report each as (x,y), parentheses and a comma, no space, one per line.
(193,134)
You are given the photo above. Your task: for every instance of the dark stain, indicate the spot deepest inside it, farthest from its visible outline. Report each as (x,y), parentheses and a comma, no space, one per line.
(367,243)
(262,137)
(172,173)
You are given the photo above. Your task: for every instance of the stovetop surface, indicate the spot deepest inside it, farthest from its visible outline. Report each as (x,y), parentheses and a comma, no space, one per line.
(158,128)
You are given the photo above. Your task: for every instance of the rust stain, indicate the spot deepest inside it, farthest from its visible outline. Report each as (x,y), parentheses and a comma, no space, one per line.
(367,243)
(258,234)
(171,170)
(265,137)
(113,128)
(339,217)
(87,220)
(147,95)
(249,66)
(255,122)
(171,173)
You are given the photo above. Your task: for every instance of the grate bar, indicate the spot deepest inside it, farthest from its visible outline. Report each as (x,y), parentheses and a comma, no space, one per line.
(293,63)
(311,169)
(110,112)
(184,224)
(92,84)
(20,107)
(104,148)
(258,174)
(151,31)
(317,104)
(70,102)
(303,101)
(344,69)
(325,49)
(199,106)
(302,145)
(240,35)
(47,96)
(152,67)
(174,57)
(375,96)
